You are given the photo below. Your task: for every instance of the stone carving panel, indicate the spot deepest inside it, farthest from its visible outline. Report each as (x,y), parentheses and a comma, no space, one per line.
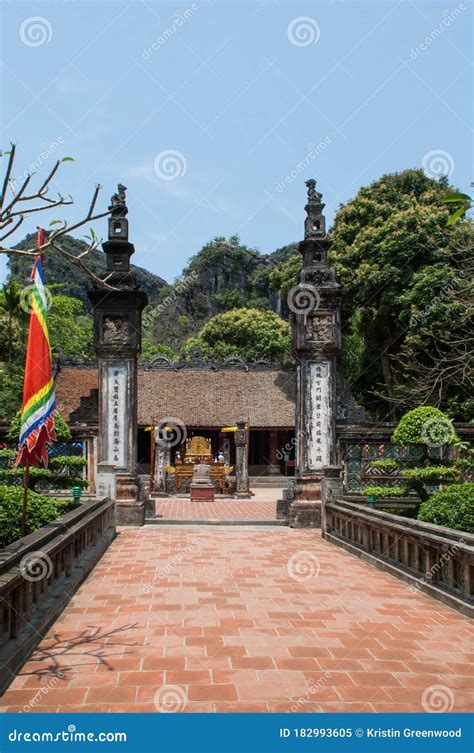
(116,330)
(319,329)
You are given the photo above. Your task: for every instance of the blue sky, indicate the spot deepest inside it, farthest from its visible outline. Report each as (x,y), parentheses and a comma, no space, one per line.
(214,114)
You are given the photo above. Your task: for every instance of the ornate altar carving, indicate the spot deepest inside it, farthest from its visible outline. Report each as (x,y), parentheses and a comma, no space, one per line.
(199,451)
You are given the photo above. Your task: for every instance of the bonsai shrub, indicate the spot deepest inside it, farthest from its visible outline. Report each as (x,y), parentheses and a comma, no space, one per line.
(430,429)
(426,426)
(41,510)
(385,491)
(385,465)
(452,507)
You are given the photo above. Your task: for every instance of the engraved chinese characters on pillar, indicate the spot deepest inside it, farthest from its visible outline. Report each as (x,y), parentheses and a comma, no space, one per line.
(319,415)
(116,429)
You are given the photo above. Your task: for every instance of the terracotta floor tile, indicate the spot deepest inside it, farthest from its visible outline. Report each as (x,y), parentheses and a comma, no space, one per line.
(212,693)
(214,613)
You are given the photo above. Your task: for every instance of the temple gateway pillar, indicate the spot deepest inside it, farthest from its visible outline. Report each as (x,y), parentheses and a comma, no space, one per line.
(316,331)
(117,342)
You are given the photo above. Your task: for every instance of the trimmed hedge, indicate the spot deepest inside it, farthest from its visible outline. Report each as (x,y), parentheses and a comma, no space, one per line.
(452,507)
(41,510)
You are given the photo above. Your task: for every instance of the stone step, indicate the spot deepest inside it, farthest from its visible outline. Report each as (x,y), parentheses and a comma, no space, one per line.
(268,482)
(211,522)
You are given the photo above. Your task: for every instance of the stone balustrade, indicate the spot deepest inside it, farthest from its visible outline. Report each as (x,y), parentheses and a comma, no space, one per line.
(40,572)
(434,559)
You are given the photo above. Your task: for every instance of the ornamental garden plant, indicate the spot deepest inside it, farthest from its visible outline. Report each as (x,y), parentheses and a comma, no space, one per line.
(436,480)
(64,471)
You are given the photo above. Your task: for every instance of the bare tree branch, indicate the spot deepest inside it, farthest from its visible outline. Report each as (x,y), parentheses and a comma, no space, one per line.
(16,210)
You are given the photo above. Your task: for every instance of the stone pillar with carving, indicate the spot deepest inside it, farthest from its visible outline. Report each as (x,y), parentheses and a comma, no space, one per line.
(162,459)
(316,329)
(241,460)
(117,342)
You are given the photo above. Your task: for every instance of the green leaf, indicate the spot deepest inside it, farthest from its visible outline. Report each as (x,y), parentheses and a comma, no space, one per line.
(455,197)
(55,222)
(456,215)
(68,159)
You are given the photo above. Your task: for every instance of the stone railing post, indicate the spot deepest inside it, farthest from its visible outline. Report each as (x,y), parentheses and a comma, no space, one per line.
(331,490)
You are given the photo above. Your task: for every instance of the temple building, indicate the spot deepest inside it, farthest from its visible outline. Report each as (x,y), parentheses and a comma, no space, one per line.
(205,398)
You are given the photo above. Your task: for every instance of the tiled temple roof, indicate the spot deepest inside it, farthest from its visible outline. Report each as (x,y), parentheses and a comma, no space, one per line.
(198,397)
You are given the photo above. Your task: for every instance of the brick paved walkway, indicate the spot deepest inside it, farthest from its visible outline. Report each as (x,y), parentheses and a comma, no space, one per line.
(220,509)
(245,619)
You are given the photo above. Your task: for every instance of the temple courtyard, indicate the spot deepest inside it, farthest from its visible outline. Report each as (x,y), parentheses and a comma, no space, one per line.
(236,618)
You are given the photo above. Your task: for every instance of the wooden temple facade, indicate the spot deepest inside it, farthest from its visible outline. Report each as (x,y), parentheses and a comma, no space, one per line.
(201,397)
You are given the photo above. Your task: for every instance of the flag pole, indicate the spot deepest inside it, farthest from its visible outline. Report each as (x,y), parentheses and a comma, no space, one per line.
(26,477)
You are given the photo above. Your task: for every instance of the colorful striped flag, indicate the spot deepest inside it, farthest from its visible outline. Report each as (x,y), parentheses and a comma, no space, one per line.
(37,416)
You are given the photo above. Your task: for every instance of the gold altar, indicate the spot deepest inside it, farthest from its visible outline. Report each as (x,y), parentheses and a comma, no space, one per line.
(199,450)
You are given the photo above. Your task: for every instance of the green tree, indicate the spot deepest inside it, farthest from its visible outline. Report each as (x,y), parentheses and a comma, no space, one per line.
(285,275)
(251,334)
(389,239)
(70,330)
(11,311)
(11,389)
